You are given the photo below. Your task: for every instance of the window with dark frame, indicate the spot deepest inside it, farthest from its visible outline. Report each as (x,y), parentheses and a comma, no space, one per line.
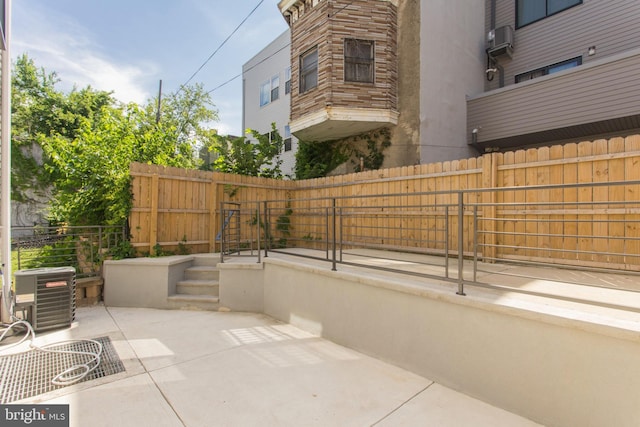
(359,60)
(309,70)
(530,11)
(549,69)
(275,87)
(287,138)
(287,81)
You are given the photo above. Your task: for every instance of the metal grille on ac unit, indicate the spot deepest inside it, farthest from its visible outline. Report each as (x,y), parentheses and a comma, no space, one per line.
(53,291)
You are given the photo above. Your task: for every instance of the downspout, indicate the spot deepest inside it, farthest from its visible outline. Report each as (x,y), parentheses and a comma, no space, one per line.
(492,26)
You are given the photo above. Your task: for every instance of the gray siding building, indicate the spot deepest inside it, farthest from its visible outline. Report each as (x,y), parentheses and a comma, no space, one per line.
(453,78)
(571,72)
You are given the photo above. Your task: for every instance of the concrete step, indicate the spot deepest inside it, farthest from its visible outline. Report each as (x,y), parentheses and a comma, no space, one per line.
(193,302)
(198,287)
(209,260)
(201,272)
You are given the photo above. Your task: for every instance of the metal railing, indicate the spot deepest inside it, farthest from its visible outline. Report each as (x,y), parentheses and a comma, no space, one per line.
(456,235)
(239,233)
(84,248)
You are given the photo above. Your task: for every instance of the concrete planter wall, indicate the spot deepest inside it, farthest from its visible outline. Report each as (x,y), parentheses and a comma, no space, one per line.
(143,282)
(552,365)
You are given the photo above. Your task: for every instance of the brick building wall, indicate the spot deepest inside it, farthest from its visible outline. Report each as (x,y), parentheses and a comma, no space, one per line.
(326,24)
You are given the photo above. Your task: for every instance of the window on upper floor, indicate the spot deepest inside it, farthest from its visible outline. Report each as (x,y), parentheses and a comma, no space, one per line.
(265,93)
(287,138)
(309,70)
(529,11)
(358,60)
(275,87)
(270,90)
(549,69)
(287,81)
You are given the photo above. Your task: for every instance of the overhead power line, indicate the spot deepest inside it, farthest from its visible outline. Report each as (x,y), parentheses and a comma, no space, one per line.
(221,85)
(250,68)
(219,47)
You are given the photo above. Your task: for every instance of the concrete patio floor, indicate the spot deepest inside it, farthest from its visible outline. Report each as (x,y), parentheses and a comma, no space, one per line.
(198,368)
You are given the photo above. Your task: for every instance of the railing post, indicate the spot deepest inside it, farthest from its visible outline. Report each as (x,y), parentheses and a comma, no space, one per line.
(475,243)
(460,243)
(326,214)
(221,232)
(258,229)
(18,250)
(333,259)
(446,238)
(266,232)
(341,228)
(99,239)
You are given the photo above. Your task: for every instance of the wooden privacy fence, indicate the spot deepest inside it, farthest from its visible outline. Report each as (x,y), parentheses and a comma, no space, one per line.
(587,225)
(174,208)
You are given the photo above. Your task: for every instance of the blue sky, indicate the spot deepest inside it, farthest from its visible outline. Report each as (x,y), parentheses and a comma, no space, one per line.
(128,46)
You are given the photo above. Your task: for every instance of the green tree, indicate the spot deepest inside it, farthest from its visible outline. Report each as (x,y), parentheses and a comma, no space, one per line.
(39,112)
(80,144)
(92,170)
(93,182)
(174,139)
(243,157)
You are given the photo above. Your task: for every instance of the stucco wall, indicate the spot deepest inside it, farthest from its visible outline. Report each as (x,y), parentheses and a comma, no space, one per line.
(452,67)
(553,370)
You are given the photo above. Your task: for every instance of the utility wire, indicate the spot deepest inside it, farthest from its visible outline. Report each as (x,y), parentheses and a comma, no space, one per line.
(250,68)
(274,53)
(219,47)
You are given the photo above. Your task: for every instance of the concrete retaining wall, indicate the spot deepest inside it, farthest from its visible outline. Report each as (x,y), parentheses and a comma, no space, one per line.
(555,371)
(143,282)
(242,287)
(552,369)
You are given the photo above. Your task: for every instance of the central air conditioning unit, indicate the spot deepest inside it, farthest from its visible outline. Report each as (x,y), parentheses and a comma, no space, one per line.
(500,42)
(49,295)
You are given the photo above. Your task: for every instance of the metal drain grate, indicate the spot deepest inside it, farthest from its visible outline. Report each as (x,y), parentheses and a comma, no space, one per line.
(29,374)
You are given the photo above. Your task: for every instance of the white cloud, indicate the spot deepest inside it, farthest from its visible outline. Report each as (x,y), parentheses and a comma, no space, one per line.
(68,49)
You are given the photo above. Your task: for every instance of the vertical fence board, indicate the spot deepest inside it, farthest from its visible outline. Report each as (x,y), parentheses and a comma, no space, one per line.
(531,198)
(171,204)
(585,198)
(600,196)
(153,231)
(632,193)
(556,177)
(508,180)
(519,198)
(543,177)
(489,211)
(570,226)
(616,194)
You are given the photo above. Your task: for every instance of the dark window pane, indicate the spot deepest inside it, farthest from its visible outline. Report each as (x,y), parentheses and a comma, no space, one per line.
(309,70)
(555,6)
(358,60)
(531,10)
(565,65)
